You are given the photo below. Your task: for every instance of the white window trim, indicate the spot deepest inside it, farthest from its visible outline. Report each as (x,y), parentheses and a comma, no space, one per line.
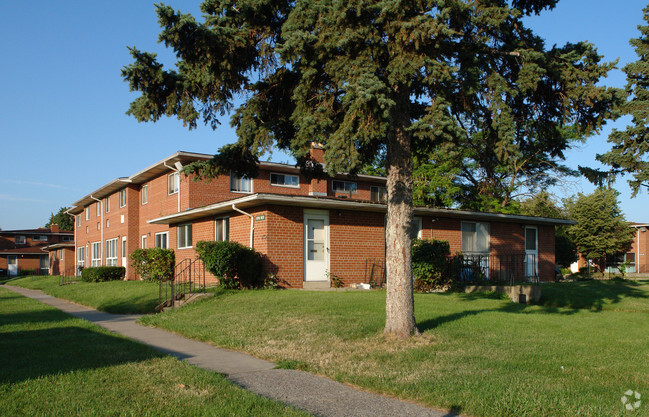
(232,190)
(87,214)
(176,177)
(488,251)
(20,240)
(98,203)
(145,194)
(144,241)
(166,240)
(183,245)
(270,179)
(111,252)
(95,261)
(344,186)
(107,204)
(122,201)
(81,255)
(378,191)
(226,229)
(78,219)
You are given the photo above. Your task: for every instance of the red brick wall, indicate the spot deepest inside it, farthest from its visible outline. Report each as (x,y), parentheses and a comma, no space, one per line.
(640,247)
(62,261)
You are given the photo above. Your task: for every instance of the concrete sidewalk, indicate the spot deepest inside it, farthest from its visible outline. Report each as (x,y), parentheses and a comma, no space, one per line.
(317,395)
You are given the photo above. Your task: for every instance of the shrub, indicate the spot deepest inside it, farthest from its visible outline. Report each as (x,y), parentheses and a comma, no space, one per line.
(429,262)
(235,265)
(103,273)
(154,264)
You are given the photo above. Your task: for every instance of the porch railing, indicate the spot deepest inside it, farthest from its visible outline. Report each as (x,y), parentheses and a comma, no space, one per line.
(70,275)
(188,278)
(493,269)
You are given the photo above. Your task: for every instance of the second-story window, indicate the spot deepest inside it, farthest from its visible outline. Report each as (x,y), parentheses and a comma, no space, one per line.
(284,180)
(20,240)
(87,213)
(145,194)
(98,208)
(78,219)
(107,204)
(40,238)
(174,183)
(379,194)
(240,184)
(122,198)
(343,186)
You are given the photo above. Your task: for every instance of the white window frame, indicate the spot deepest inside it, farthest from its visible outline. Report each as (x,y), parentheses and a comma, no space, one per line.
(44,260)
(225,229)
(184,238)
(87,213)
(379,190)
(417,227)
(145,194)
(20,240)
(95,254)
(98,203)
(111,252)
(484,226)
(279,175)
(107,223)
(158,240)
(78,219)
(345,185)
(122,198)
(144,241)
(237,182)
(107,204)
(173,183)
(81,255)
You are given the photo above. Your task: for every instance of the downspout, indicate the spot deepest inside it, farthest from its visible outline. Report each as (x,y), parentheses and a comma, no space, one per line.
(178,172)
(76,255)
(101,228)
(252,224)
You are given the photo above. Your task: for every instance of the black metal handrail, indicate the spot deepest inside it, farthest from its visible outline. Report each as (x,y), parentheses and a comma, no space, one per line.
(189,277)
(70,276)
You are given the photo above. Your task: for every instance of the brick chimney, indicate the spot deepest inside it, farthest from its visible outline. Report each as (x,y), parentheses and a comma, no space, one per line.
(317,152)
(54,228)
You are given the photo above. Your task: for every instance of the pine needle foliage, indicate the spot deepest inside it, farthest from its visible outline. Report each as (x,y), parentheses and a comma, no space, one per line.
(363,77)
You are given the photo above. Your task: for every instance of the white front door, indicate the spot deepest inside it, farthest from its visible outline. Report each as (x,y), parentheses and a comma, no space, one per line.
(12,265)
(531,252)
(124,252)
(316,245)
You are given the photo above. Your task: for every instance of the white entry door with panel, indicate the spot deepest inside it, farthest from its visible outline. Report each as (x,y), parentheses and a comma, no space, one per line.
(12,265)
(531,252)
(316,245)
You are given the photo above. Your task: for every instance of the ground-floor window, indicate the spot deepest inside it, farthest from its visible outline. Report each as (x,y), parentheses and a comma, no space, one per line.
(111,252)
(221,230)
(184,236)
(144,239)
(81,256)
(161,240)
(95,254)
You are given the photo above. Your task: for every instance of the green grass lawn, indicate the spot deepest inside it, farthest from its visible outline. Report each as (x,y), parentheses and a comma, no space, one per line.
(479,355)
(52,364)
(118,297)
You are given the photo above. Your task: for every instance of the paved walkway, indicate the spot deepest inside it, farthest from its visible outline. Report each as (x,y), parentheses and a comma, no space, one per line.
(317,395)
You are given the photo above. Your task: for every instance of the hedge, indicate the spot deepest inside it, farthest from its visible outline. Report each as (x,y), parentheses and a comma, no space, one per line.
(103,273)
(235,265)
(430,264)
(154,264)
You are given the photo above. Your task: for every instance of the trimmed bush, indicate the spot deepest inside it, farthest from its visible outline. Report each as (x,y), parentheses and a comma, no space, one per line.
(154,264)
(429,263)
(235,265)
(103,273)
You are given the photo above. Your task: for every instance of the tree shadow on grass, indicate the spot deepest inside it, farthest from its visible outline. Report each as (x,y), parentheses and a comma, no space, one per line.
(591,295)
(29,354)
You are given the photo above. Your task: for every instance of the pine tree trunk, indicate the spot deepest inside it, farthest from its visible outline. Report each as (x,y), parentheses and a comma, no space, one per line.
(399,304)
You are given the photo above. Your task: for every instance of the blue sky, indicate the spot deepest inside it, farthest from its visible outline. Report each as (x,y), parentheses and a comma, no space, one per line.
(63,127)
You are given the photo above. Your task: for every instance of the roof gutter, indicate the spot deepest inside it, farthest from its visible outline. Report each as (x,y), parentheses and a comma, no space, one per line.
(252,224)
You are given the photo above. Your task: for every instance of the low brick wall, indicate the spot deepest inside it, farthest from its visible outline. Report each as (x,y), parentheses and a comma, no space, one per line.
(532,293)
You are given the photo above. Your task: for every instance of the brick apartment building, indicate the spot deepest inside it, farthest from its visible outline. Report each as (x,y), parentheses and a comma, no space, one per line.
(27,250)
(304,229)
(636,258)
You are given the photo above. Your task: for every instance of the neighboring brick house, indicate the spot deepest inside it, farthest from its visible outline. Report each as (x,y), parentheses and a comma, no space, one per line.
(23,250)
(305,230)
(636,258)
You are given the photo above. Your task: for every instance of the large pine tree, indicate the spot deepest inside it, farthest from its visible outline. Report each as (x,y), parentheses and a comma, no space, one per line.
(629,153)
(364,77)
